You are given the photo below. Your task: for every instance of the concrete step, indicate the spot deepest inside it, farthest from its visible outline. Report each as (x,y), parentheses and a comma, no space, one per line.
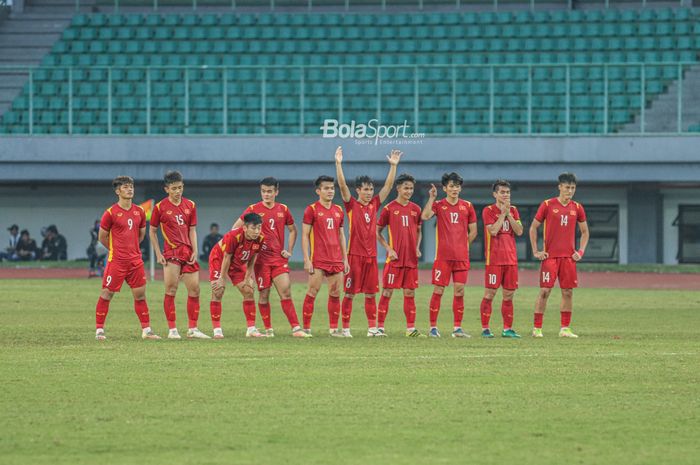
(28,40)
(24,54)
(33,27)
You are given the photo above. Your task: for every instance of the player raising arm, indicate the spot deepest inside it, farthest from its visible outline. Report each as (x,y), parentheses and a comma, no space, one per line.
(177,218)
(559,217)
(122,228)
(362,247)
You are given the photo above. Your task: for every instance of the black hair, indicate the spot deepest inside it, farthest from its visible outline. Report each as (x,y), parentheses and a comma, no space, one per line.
(454,177)
(567,178)
(270,181)
(323,178)
(214,225)
(360,180)
(500,183)
(403,177)
(252,218)
(171,177)
(121,180)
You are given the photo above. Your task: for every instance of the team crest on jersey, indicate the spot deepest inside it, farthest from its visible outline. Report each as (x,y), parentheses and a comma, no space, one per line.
(462,207)
(169,212)
(556,210)
(137,213)
(280,215)
(572,212)
(262,215)
(396,212)
(119,214)
(320,213)
(444,207)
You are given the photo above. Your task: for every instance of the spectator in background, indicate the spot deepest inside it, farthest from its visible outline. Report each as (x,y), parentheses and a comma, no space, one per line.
(210,241)
(54,246)
(26,249)
(96,252)
(11,244)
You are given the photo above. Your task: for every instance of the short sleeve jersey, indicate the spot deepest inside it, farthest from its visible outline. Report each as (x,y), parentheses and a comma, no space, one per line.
(499,249)
(124,228)
(243,250)
(363,226)
(559,226)
(452,229)
(175,221)
(275,221)
(326,224)
(403,223)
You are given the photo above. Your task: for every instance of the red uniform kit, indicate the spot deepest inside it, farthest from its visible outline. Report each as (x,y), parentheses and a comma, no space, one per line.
(326,254)
(559,225)
(175,222)
(362,248)
(243,251)
(124,261)
(403,223)
(452,241)
(499,250)
(270,262)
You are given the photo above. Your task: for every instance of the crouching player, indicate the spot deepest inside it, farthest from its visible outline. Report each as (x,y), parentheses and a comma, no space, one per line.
(122,228)
(234,256)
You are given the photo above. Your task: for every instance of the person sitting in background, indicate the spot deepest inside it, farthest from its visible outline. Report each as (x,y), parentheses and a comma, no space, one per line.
(96,252)
(210,241)
(54,246)
(12,244)
(26,249)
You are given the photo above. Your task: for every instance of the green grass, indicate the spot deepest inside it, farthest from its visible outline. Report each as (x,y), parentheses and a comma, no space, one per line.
(625,392)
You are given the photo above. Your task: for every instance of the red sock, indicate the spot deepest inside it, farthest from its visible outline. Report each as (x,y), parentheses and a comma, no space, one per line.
(434,308)
(141,309)
(333,311)
(409,309)
(290,311)
(565,318)
(249,311)
(265,314)
(308,310)
(371,311)
(101,310)
(485,310)
(193,310)
(346,312)
(215,309)
(458,310)
(169,307)
(382,310)
(507,313)
(538,320)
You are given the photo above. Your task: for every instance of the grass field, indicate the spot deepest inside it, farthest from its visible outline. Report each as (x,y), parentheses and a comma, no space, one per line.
(626,392)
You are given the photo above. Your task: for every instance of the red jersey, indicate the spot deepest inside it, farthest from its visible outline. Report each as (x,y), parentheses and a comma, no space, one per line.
(363,226)
(559,226)
(452,229)
(175,221)
(243,249)
(499,249)
(124,227)
(404,224)
(275,220)
(326,224)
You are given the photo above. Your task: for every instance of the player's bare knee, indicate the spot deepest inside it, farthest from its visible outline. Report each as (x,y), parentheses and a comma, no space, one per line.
(459,290)
(387,293)
(490,294)
(370,296)
(439,290)
(544,292)
(567,293)
(171,289)
(409,293)
(312,291)
(349,296)
(508,294)
(106,294)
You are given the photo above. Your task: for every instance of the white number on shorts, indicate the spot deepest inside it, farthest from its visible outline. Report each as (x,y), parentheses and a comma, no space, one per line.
(390,278)
(404,220)
(348,283)
(329,223)
(367,217)
(130,222)
(180,220)
(245,255)
(454,218)
(545,276)
(260,282)
(109,280)
(492,279)
(564,220)
(217,274)
(506,226)
(272,223)
(437,275)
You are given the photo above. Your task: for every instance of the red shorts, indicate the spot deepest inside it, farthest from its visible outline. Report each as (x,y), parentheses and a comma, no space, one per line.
(562,268)
(117,271)
(330,270)
(264,273)
(180,256)
(443,269)
(364,275)
(235,274)
(400,277)
(496,276)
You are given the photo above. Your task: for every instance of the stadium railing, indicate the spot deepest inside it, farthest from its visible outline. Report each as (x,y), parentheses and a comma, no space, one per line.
(492,114)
